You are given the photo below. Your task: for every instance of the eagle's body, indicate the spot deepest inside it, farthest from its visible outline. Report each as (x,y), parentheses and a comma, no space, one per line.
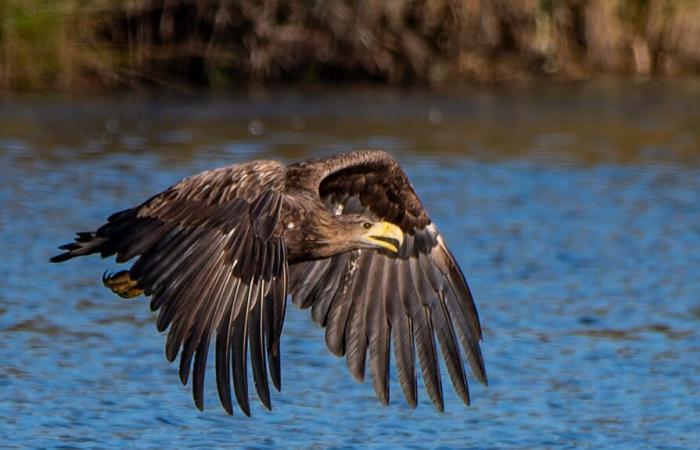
(346,235)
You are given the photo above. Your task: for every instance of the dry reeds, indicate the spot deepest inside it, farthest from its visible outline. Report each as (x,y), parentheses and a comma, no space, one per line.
(216,42)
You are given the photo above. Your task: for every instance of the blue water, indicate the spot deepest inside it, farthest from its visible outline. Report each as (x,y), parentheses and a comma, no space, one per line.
(579,234)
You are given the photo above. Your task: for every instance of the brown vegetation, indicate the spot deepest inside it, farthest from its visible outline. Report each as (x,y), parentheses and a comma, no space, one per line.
(431,42)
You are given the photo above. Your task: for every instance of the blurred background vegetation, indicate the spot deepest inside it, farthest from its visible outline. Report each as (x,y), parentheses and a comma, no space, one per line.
(81,44)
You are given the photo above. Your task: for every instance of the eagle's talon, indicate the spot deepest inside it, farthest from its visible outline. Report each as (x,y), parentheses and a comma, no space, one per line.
(121,284)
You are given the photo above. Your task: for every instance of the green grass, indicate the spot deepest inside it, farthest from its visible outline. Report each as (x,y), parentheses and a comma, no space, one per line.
(32,35)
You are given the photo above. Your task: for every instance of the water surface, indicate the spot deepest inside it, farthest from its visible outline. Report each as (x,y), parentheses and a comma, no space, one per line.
(573,212)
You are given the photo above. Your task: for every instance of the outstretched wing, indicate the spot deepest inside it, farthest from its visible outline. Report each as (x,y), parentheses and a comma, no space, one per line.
(369,299)
(213,259)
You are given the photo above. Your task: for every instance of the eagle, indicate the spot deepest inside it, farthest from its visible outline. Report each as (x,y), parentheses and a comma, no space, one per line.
(219,252)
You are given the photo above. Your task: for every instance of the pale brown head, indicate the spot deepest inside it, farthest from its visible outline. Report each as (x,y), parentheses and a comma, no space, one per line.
(338,234)
(361,232)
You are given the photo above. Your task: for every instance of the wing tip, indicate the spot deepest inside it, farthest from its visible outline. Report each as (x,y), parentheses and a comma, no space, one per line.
(224,396)
(334,344)
(264,396)
(482,377)
(60,257)
(184,374)
(476,361)
(465,396)
(439,405)
(276,380)
(358,376)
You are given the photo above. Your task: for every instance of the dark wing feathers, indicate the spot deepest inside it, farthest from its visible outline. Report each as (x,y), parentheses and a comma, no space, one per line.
(273,317)
(239,345)
(213,258)
(402,332)
(351,288)
(222,357)
(371,181)
(355,328)
(323,297)
(256,340)
(378,332)
(369,299)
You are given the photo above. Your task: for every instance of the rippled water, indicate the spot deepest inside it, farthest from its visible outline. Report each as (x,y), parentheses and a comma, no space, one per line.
(575,214)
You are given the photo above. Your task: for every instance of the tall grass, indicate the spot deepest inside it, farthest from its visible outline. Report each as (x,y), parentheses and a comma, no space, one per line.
(100,43)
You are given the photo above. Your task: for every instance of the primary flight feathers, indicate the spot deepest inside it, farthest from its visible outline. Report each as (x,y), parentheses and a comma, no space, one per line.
(346,236)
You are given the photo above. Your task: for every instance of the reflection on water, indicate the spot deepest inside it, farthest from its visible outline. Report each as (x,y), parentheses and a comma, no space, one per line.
(649,123)
(574,213)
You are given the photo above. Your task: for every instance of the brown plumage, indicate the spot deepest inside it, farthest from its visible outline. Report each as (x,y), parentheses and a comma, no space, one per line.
(346,236)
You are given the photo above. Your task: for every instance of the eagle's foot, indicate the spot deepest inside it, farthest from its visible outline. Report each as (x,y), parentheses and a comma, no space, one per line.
(121,284)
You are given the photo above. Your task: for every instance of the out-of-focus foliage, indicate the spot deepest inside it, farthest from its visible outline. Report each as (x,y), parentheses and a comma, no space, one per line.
(74,43)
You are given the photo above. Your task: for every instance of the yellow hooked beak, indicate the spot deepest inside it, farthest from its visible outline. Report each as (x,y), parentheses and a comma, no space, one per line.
(385,235)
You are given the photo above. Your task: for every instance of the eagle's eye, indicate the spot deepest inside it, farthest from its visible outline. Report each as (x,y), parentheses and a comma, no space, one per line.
(367,225)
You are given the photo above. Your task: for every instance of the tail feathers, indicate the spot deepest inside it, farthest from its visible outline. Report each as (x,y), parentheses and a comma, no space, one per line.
(85,243)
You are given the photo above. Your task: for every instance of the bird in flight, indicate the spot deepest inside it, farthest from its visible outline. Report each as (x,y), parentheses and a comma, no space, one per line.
(345,236)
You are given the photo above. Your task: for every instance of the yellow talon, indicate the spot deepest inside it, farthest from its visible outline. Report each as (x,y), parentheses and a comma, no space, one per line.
(121,284)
